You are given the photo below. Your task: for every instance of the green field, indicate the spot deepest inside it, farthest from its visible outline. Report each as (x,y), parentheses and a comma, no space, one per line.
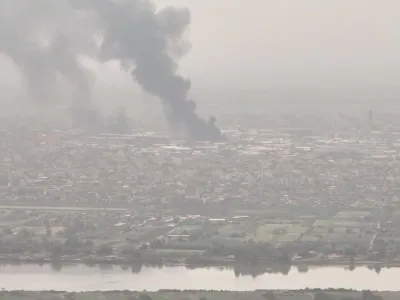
(351,215)
(278,232)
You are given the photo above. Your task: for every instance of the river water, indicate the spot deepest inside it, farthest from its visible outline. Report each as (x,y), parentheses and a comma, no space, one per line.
(83,278)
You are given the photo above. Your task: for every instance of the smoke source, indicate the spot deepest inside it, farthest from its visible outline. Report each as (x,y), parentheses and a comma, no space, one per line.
(147,42)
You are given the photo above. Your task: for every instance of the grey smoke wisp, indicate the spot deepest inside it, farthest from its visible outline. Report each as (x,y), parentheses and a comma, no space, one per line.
(146,41)
(38,37)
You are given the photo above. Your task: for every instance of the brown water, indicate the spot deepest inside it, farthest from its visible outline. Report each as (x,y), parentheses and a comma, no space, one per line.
(83,278)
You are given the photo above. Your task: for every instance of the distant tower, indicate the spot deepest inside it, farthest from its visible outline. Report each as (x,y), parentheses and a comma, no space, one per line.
(370,118)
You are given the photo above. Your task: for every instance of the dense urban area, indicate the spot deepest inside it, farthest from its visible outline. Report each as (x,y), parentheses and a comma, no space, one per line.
(263,166)
(261,201)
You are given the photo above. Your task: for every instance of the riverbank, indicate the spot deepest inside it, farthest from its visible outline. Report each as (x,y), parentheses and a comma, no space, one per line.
(307,294)
(119,261)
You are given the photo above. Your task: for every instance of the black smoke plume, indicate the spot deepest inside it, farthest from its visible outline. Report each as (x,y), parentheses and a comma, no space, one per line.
(147,42)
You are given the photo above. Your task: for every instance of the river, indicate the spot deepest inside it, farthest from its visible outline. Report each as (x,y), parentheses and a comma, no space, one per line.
(83,278)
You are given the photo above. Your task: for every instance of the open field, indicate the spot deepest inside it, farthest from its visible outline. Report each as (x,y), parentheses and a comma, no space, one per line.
(279,232)
(311,237)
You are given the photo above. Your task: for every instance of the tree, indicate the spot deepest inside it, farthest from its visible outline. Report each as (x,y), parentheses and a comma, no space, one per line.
(56,249)
(145,297)
(8,231)
(89,243)
(368,295)
(321,296)
(104,250)
(48,231)
(72,241)
(269,295)
(143,247)
(25,233)
(156,244)
(350,252)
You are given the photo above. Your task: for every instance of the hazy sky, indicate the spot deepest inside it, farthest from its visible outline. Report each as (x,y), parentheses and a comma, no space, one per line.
(285,44)
(258,43)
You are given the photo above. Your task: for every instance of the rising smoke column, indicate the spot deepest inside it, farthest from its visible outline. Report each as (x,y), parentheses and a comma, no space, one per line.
(148,41)
(45,37)
(41,38)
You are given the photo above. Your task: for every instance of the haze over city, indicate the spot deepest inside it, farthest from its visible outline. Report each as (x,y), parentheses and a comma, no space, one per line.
(267,52)
(199,149)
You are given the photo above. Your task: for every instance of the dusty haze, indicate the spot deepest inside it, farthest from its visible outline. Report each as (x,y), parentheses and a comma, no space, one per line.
(267,53)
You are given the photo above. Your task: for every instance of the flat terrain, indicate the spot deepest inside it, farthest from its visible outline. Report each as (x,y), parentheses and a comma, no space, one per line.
(201,295)
(59,208)
(313,236)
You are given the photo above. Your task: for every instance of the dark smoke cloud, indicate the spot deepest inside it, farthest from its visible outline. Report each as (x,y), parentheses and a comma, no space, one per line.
(146,41)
